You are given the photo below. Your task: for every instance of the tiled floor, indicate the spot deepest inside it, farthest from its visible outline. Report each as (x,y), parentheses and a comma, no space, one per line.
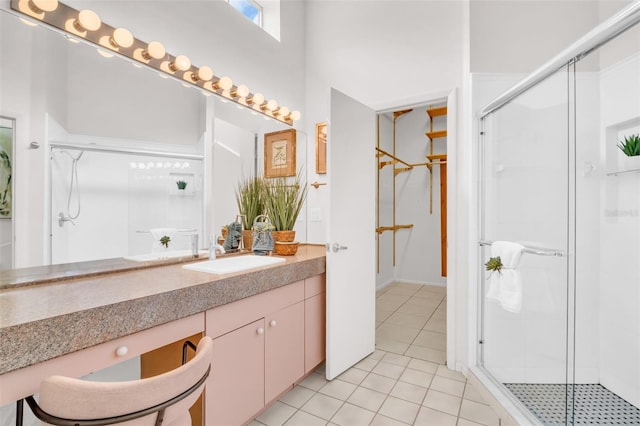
(403,382)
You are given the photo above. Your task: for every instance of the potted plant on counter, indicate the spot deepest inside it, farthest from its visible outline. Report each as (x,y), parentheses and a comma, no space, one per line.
(284,198)
(249,197)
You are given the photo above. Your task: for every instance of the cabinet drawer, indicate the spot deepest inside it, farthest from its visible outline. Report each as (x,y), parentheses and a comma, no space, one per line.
(314,285)
(26,381)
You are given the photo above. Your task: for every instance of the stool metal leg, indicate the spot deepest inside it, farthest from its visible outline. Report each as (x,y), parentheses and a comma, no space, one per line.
(19,411)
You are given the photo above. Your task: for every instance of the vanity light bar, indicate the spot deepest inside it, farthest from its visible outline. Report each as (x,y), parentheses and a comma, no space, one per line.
(86,25)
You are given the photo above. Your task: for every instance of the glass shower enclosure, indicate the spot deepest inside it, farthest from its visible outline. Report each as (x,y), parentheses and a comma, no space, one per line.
(560,205)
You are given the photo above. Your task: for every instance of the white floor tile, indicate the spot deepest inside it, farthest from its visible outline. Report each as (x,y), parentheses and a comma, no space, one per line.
(442,402)
(350,415)
(478,413)
(471,393)
(353,375)
(422,365)
(430,417)
(427,354)
(376,355)
(277,414)
(338,389)
(378,383)
(465,422)
(322,406)
(444,371)
(367,398)
(300,418)
(406,320)
(399,409)
(431,339)
(366,364)
(452,387)
(416,377)
(396,359)
(409,392)
(314,382)
(388,370)
(397,333)
(391,345)
(380,420)
(297,396)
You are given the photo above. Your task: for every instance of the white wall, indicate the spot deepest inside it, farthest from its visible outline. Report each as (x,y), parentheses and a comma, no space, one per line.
(519,36)
(619,249)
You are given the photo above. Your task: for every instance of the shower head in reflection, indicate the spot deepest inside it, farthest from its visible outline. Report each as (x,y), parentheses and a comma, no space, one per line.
(67,216)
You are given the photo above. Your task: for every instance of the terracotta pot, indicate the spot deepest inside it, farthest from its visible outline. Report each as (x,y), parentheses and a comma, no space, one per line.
(286,248)
(247,239)
(285,236)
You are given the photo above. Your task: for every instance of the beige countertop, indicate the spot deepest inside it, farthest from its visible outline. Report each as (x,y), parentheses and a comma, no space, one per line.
(56,317)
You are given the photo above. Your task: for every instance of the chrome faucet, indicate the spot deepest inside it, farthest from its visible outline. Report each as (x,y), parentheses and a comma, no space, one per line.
(213,246)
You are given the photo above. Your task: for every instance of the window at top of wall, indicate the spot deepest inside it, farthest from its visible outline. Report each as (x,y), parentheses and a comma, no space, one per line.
(249,8)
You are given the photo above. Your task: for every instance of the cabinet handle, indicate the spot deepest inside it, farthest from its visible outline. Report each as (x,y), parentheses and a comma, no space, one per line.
(273,323)
(260,330)
(122,350)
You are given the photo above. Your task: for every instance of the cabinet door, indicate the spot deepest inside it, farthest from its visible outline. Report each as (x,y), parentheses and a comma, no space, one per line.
(314,331)
(235,388)
(284,350)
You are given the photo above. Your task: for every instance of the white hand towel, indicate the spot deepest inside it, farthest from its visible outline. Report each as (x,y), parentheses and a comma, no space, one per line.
(505,286)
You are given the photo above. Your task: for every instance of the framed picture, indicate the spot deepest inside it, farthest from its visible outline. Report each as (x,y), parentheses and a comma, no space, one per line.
(280,153)
(321,148)
(6,169)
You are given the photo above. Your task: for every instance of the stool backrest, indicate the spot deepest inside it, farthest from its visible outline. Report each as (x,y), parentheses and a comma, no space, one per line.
(83,400)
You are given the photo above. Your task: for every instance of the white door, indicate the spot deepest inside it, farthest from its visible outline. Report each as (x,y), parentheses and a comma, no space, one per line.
(351,234)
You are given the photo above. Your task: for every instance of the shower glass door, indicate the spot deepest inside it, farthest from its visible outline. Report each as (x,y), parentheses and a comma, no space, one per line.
(526,206)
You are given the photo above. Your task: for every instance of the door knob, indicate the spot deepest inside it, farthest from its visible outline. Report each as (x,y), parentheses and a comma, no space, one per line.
(335,247)
(260,330)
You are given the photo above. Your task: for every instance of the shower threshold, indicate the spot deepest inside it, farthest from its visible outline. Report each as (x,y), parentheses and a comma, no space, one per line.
(593,404)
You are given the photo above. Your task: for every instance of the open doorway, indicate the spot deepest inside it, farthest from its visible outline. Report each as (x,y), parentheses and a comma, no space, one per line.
(411,231)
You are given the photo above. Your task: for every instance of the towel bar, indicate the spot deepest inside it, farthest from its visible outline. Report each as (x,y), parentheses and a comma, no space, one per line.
(540,251)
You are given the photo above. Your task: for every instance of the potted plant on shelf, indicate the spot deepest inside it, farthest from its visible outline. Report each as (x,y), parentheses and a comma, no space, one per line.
(249,197)
(182,185)
(630,147)
(283,200)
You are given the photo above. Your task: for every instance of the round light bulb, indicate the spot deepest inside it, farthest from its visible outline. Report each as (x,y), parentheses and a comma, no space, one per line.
(257,99)
(155,50)
(205,73)
(121,38)
(242,91)
(295,115)
(181,63)
(272,104)
(41,6)
(87,20)
(225,83)
(283,111)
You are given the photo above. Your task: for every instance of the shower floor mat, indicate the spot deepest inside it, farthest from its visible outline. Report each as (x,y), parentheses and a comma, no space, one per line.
(594,404)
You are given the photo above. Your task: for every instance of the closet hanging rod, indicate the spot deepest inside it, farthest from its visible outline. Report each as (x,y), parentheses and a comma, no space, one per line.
(131,151)
(382,229)
(393,156)
(533,250)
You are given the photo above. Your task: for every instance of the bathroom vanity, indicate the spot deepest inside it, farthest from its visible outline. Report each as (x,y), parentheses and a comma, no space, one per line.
(268,326)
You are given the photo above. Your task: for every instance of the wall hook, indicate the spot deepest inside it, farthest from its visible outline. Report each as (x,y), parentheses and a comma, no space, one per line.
(34,145)
(317,184)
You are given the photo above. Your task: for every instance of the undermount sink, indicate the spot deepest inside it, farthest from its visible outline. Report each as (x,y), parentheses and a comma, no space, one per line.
(233,264)
(163,256)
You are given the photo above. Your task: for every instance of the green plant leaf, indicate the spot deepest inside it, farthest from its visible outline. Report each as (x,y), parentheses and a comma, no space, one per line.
(284,198)
(494,264)
(631,145)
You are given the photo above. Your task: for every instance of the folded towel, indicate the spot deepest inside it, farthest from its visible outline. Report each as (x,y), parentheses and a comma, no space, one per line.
(234,235)
(505,286)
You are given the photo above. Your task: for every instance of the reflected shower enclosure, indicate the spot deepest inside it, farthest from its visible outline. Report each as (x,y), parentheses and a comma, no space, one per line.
(560,332)
(107,203)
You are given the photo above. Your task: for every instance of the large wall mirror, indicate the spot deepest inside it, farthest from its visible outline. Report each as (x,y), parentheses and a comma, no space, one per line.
(123,152)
